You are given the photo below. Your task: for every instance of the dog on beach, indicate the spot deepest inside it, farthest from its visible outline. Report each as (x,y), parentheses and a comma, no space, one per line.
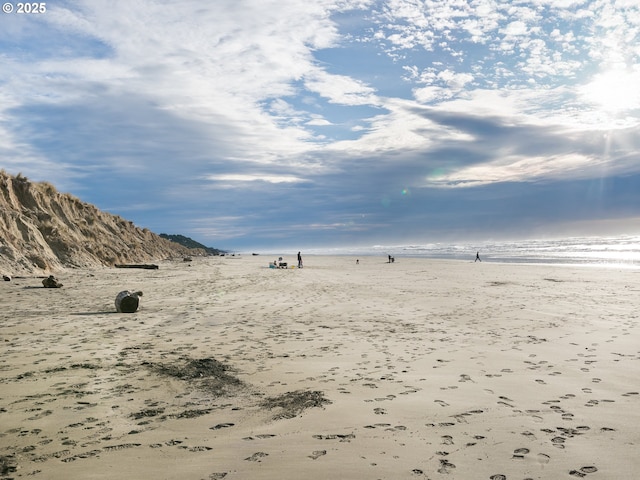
(127,302)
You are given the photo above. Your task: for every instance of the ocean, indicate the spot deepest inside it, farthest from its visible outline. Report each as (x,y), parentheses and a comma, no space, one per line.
(623,251)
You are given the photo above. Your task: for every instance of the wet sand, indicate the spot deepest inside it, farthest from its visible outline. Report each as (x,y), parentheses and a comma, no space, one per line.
(420,369)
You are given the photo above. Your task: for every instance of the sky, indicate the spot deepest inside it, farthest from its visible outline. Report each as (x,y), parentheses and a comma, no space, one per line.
(263,124)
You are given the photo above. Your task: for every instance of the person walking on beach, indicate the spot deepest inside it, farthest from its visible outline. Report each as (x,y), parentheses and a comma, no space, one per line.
(299,260)
(477,257)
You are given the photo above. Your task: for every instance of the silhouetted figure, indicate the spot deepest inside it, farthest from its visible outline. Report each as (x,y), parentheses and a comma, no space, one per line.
(477,257)
(299,260)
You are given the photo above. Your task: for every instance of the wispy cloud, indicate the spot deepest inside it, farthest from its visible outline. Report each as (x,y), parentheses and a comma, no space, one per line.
(255,178)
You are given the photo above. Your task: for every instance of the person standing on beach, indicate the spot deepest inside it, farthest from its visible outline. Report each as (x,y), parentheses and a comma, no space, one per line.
(477,257)
(299,260)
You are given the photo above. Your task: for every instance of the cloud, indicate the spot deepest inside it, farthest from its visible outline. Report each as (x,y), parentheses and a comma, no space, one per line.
(519,169)
(255,178)
(339,89)
(614,91)
(321,114)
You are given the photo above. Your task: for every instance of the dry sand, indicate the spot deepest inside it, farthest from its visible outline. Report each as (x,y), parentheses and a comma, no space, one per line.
(420,369)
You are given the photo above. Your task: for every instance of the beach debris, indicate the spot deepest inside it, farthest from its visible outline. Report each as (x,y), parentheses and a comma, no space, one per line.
(191,413)
(51,282)
(6,278)
(127,302)
(146,266)
(206,374)
(7,465)
(293,403)
(149,412)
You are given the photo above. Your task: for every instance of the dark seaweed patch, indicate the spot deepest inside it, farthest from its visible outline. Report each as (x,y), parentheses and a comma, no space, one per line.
(206,374)
(293,403)
(7,465)
(194,413)
(149,412)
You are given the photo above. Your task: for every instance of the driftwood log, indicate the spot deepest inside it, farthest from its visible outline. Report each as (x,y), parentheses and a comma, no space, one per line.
(51,282)
(147,266)
(127,302)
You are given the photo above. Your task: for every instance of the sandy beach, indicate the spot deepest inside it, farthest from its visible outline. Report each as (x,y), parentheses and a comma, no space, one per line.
(418,369)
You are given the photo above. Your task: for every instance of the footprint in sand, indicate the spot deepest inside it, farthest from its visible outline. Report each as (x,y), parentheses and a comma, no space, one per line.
(200,448)
(399,427)
(445,466)
(583,471)
(112,448)
(257,456)
(336,436)
(519,453)
(317,454)
(543,458)
(221,425)
(446,424)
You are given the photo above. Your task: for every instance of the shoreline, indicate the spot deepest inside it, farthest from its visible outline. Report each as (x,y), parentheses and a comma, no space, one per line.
(620,249)
(423,370)
(630,265)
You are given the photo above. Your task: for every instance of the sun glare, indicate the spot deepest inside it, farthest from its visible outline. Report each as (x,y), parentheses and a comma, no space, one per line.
(613,91)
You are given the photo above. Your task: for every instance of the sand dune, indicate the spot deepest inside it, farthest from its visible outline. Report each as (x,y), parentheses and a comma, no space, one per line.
(44,231)
(419,369)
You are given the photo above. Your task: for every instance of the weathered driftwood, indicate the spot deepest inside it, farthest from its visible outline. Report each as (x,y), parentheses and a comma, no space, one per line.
(147,266)
(127,302)
(51,282)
